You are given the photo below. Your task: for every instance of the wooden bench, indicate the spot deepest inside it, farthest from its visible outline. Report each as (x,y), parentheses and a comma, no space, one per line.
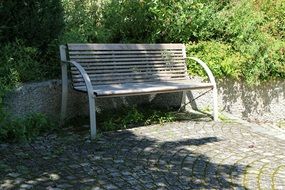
(108,70)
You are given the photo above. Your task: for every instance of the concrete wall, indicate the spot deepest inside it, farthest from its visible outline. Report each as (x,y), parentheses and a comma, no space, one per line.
(257,103)
(264,102)
(45,97)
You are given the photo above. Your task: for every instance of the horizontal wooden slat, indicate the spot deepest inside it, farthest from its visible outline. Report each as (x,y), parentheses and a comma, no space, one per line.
(104,56)
(90,72)
(123,46)
(118,68)
(81,83)
(126,52)
(152,73)
(117,64)
(127,60)
(101,77)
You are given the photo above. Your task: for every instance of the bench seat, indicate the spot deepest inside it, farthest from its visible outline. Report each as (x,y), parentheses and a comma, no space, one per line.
(145,88)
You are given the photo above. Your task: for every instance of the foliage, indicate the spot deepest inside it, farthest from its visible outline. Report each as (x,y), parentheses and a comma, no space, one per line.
(220,57)
(247,46)
(36,22)
(126,21)
(81,19)
(158,21)
(24,129)
(19,64)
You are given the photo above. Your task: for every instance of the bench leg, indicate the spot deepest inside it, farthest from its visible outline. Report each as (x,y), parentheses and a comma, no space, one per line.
(64,95)
(92,114)
(215,104)
(63,106)
(183,102)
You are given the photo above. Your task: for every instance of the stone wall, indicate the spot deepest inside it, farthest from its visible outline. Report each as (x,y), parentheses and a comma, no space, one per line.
(265,102)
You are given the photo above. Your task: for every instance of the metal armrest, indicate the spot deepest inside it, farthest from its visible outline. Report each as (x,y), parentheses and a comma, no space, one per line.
(213,82)
(206,68)
(83,74)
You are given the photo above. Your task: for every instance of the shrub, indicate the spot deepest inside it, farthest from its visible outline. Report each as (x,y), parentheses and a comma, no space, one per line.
(220,57)
(158,21)
(24,129)
(184,21)
(81,20)
(126,21)
(248,45)
(20,63)
(274,14)
(36,22)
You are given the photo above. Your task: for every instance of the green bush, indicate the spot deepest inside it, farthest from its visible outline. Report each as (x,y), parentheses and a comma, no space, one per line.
(184,21)
(20,63)
(274,14)
(158,21)
(81,20)
(36,22)
(220,57)
(125,21)
(24,129)
(248,45)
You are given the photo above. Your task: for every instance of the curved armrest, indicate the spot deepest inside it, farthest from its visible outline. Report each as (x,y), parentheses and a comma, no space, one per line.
(213,82)
(206,68)
(84,75)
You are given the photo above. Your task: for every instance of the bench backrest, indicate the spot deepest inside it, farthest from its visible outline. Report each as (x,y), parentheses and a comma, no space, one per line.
(121,63)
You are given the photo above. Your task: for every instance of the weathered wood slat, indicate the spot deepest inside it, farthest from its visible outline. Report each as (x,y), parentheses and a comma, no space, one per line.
(134,76)
(90,72)
(120,68)
(126,52)
(117,64)
(81,83)
(114,75)
(128,60)
(124,46)
(108,56)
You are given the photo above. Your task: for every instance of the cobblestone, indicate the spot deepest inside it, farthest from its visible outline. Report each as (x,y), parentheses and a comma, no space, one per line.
(178,155)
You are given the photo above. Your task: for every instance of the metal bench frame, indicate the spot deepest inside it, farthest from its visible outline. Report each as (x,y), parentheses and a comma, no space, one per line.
(89,84)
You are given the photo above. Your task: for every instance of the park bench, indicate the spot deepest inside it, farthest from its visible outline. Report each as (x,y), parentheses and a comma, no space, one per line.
(109,70)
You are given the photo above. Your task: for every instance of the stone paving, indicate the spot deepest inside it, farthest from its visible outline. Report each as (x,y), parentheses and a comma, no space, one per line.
(178,155)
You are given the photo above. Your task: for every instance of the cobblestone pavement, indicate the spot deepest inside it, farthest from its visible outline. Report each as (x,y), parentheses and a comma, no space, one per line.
(179,155)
